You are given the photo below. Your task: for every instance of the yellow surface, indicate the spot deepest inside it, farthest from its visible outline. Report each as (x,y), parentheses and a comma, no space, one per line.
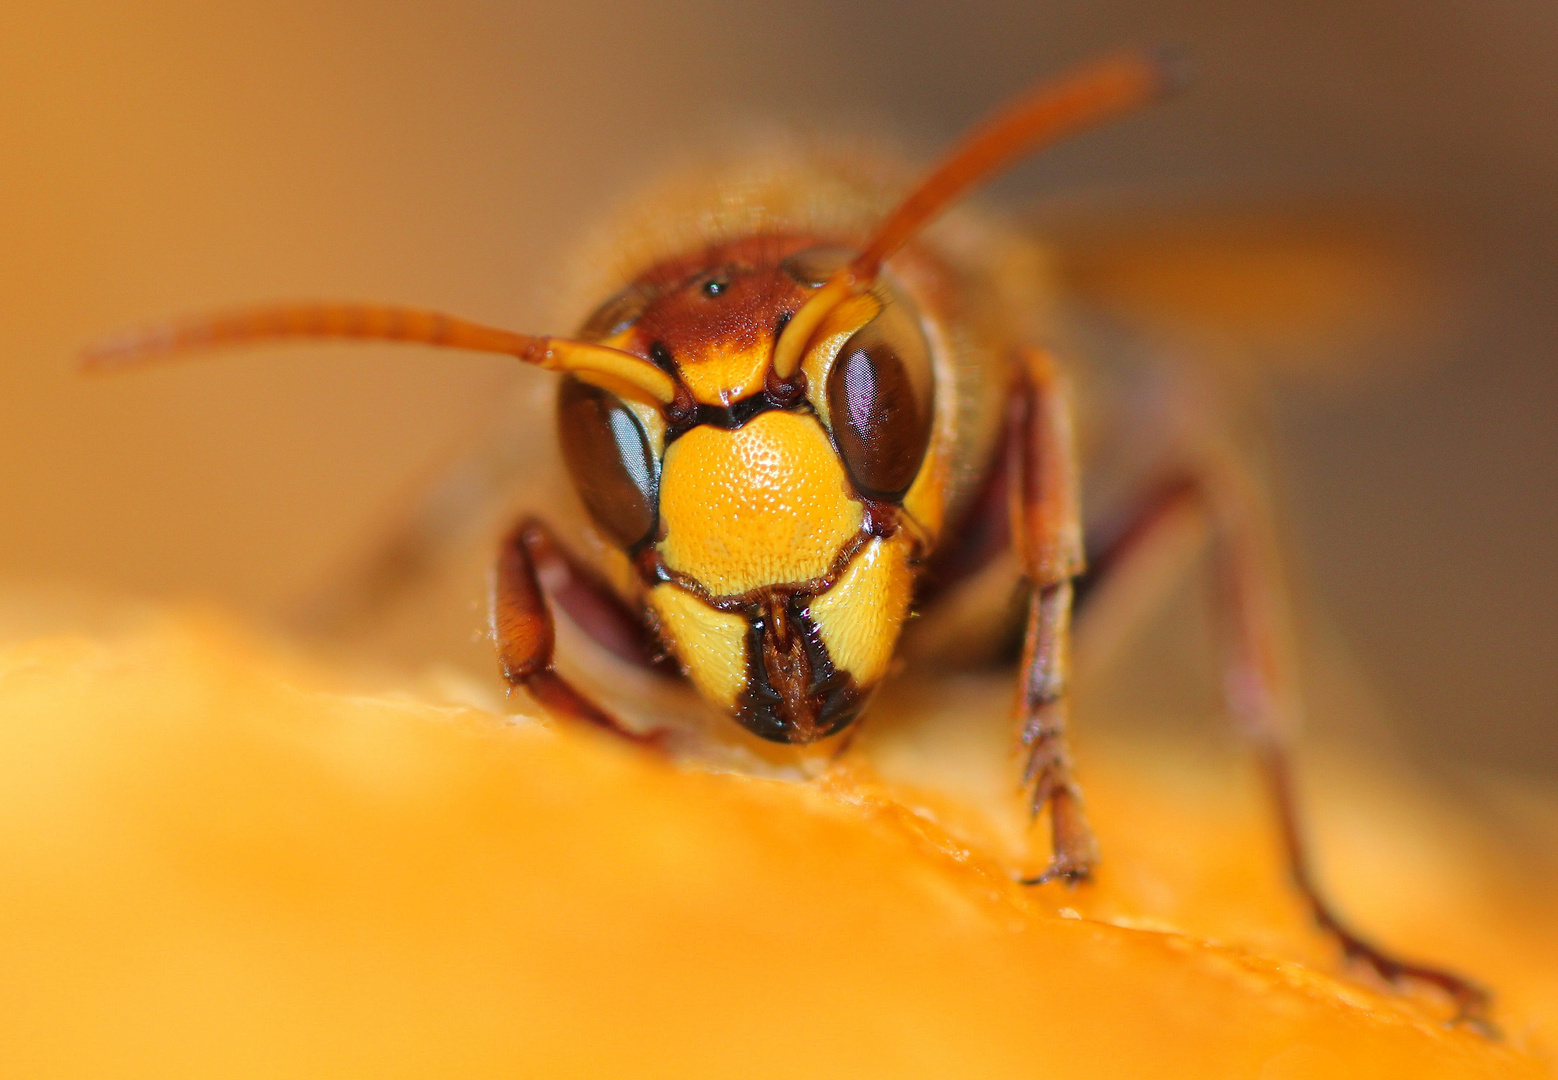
(711,644)
(723,376)
(211,866)
(765,504)
(860,617)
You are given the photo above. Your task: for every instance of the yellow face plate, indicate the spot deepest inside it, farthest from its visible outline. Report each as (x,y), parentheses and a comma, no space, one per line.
(710,645)
(722,376)
(765,504)
(859,618)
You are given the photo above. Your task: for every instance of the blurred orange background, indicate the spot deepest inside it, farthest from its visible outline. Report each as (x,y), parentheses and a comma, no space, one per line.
(170,156)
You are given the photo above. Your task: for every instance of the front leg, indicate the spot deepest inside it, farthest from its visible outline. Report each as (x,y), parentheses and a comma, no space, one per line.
(1047,535)
(523,631)
(1217,493)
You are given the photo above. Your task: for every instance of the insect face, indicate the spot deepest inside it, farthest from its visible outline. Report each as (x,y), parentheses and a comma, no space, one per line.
(771,520)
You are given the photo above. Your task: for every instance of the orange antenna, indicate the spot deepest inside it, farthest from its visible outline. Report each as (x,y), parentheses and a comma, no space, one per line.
(1053,110)
(613,369)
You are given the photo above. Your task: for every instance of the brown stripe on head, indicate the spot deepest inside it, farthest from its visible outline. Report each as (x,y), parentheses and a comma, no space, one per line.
(716,312)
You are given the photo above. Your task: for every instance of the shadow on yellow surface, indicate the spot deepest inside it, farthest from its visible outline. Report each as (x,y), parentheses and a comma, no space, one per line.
(212,863)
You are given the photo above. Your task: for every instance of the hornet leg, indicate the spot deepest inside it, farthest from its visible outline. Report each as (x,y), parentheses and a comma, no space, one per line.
(1220,496)
(522,623)
(1047,535)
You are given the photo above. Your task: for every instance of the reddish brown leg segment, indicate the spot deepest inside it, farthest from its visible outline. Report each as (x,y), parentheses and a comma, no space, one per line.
(522,624)
(589,601)
(1249,600)
(1047,535)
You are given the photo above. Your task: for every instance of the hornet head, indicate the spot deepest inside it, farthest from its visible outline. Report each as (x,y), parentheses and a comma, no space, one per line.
(765,512)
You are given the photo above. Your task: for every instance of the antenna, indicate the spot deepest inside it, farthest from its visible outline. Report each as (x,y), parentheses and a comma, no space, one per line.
(618,371)
(1051,111)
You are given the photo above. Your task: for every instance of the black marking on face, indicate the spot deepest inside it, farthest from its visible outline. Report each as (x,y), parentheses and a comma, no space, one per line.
(738,413)
(794,694)
(661,357)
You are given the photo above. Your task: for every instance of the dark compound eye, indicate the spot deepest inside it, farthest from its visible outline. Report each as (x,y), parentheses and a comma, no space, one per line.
(609,458)
(880,404)
(615,315)
(813,266)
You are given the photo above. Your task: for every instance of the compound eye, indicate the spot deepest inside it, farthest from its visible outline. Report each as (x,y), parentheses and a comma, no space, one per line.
(813,266)
(615,315)
(880,404)
(609,458)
